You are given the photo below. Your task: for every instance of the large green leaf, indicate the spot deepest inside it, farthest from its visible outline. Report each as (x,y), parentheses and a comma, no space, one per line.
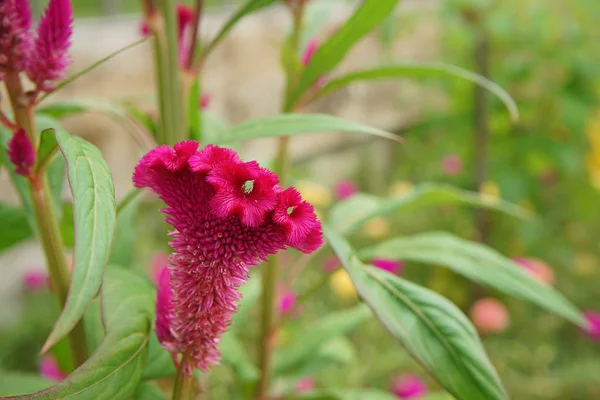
(347,212)
(433,330)
(94,215)
(148,392)
(125,235)
(316,335)
(15,226)
(422,70)
(114,370)
(478,263)
(425,195)
(13,383)
(366,17)
(293,124)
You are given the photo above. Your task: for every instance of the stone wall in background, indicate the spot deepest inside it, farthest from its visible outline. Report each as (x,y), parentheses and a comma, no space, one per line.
(244,80)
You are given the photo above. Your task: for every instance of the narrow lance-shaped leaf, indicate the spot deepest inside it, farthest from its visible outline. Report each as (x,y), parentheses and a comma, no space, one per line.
(94,215)
(422,70)
(114,370)
(366,17)
(478,263)
(433,330)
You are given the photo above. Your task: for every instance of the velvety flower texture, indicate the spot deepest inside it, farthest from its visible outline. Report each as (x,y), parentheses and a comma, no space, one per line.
(21,153)
(227,215)
(15,35)
(49,58)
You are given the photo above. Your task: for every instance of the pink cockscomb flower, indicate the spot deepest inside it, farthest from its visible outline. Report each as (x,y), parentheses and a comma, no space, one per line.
(15,35)
(408,386)
(593,325)
(227,216)
(393,266)
(21,153)
(489,316)
(49,57)
(452,164)
(35,280)
(344,189)
(304,384)
(50,370)
(331,264)
(537,268)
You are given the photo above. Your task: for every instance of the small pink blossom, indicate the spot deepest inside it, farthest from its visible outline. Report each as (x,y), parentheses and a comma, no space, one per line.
(49,57)
(537,268)
(593,325)
(227,216)
(344,189)
(205,100)
(287,302)
(408,386)
(305,384)
(21,153)
(15,35)
(331,264)
(35,280)
(311,48)
(393,266)
(50,370)
(452,164)
(489,315)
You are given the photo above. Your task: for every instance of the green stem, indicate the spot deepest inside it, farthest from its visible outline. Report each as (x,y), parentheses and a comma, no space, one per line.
(184,382)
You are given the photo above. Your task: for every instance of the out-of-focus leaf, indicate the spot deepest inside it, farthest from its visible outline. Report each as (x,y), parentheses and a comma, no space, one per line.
(433,330)
(235,356)
(347,212)
(250,293)
(478,263)
(15,226)
(125,235)
(13,383)
(195,112)
(147,391)
(95,213)
(160,363)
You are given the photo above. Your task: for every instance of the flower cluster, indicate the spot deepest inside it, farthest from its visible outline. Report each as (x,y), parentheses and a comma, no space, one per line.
(21,153)
(43,54)
(227,216)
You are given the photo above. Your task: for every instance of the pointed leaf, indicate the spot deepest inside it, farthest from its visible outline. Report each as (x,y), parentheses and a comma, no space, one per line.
(432,329)
(94,216)
(13,383)
(478,263)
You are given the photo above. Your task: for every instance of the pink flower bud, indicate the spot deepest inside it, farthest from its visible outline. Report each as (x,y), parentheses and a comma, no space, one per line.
(309,51)
(408,387)
(50,370)
(393,266)
(21,153)
(452,165)
(537,268)
(49,59)
(287,301)
(15,35)
(304,384)
(593,325)
(344,189)
(35,280)
(489,316)
(205,101)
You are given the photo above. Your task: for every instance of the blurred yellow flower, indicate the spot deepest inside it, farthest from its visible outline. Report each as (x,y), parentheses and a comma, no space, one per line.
(592,131)
(400,188)
(376,228)
(317,195)
(527,204)
(585,264)
(489,191)
(342,285)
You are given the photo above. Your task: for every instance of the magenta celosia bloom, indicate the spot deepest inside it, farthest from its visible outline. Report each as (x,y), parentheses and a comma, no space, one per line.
(35,280)
(287,302)
(393,266)
(409,387)
(305,384)
(451,164)
(50,370)
(21,153)
(227,216)
(49,57)
(593,325)
(15,35)
(344,189)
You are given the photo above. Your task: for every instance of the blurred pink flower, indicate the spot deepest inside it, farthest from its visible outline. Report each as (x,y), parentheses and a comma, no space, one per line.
(344,189)
(35,280)
(408,386)
(50,370)
(287,301)
(593,325)
(309,51)
(304,384)
(16,38)
(537,268)
(21,153)
(205,100)
(393,266)
(452,164)
(489,315)
(331,264)
(158,262)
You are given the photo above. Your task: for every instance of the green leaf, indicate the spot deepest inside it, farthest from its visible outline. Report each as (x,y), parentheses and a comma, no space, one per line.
(142,118)
(347,212)
(94,215)
(235,356)
(250,291)
(422,70)
(147,391)
(15,226)
(428,195)
(248,8)
(293,124)
(195,112)
(160,363)
(125,235)
(334,324)
(114,370)
(433,330)
(68,108)
(14,383)
(366,17)
(478,263)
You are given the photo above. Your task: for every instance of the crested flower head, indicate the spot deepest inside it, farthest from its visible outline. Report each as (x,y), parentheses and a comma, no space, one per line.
(592,329)
(408,387)
(227,216)
(344,189)
(49,57)
(15,35)
(21,153)
(393,266)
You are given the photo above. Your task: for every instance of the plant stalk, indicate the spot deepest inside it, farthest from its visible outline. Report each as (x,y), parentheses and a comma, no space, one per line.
(183,389)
